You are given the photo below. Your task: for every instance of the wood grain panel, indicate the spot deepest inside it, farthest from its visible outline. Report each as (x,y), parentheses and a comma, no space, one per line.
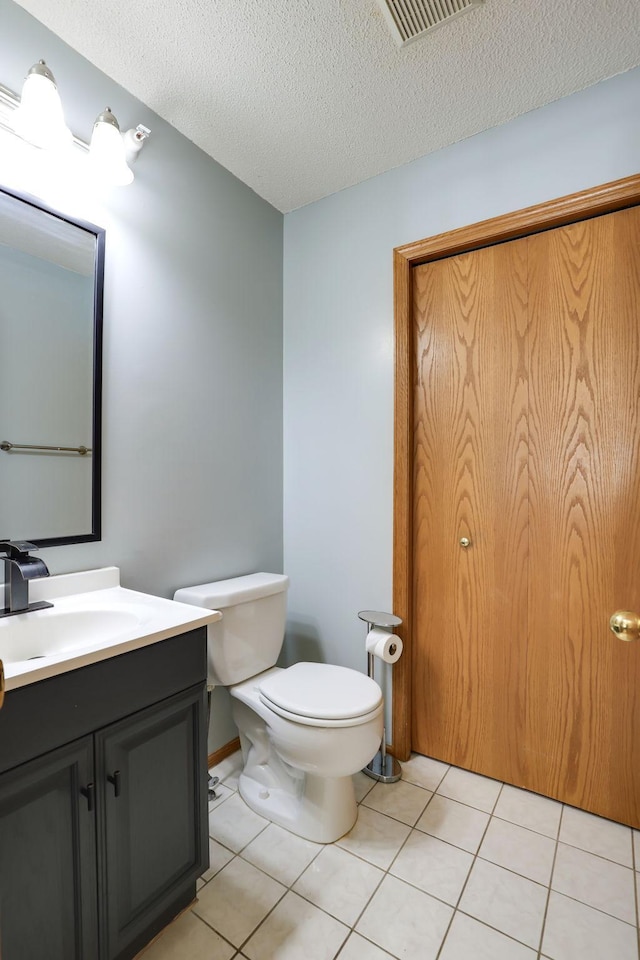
(470,480)
(403,506)
(582,737)
(593,201)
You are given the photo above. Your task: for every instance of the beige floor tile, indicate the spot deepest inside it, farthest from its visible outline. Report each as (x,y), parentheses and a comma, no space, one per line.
(234,824)
(296,930)
(501,899)
(362,784)
(402,801)
(468,939)
(454,822)
(470,788)
(423,771)
(357,948)
(339,883)
(529,810)
(434,866)
(229,767)
(597,882)
(375,837)
(597,835)
(574,931)
(237,900)
(281,854)
(523,851)
(404,921)
(188,937)
(222,793)
(219,857)
(244,911)
(232,780)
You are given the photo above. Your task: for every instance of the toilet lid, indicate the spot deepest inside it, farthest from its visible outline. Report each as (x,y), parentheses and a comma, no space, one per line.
(322,691)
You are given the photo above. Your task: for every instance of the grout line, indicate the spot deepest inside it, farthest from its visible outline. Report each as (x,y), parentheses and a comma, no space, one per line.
(598,855)
(387,872)
(217,932)
(470,870)
(397,819)
(538,833)
(589,906)
(635,885)
(244,942)
(553,867)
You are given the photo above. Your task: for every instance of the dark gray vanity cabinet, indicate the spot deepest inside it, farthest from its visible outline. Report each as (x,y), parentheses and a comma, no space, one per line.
(102,839)
(150,846)
(48,877)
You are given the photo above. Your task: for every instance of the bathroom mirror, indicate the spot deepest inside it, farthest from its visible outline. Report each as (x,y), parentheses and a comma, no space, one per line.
(51,289)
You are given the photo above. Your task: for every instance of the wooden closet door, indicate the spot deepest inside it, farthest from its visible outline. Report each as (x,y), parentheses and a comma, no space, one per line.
(470,481)
(583,707)
(527,427)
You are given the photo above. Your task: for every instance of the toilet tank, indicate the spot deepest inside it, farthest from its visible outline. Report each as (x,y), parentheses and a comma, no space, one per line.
(249,637)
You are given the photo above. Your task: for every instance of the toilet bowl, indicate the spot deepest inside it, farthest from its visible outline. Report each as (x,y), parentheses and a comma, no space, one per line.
(305,729)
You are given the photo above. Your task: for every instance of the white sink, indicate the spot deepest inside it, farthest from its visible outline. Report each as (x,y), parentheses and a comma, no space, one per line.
(92,618)
(46,633)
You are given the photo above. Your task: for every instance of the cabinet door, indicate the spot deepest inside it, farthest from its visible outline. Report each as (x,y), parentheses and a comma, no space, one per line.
(153,783)
(48,897)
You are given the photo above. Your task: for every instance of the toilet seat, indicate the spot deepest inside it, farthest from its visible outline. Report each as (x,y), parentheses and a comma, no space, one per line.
(321,695)
(316,721)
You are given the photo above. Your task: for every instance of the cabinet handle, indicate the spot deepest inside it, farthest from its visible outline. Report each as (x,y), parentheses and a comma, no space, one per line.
(89,793)
(115,780)
(1,684)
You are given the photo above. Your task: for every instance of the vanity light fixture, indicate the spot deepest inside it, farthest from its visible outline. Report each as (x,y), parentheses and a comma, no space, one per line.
(37,117)
(107,150)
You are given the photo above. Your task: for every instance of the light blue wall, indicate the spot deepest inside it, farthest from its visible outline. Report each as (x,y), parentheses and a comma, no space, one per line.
(338,337)
(193,345)
(192,473)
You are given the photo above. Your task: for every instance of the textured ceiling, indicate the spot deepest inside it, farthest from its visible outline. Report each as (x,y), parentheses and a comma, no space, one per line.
(300,98)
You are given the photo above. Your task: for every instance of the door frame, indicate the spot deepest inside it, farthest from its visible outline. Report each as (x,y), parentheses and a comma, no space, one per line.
(593,202)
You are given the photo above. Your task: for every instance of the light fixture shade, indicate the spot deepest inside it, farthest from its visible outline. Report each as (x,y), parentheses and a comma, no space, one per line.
(107,151)
(39,118)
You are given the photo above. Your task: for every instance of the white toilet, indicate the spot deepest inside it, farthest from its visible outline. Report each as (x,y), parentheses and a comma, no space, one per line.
(304,730)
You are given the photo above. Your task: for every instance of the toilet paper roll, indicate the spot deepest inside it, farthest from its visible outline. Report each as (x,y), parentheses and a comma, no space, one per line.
(384,645)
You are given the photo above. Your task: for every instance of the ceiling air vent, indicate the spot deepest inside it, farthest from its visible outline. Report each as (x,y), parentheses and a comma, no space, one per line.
(410,19)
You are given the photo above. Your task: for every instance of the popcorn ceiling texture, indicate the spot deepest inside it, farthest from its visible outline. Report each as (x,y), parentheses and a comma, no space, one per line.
(301,98)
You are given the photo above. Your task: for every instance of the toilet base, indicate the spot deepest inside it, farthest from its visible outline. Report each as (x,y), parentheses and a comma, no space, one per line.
(322,809)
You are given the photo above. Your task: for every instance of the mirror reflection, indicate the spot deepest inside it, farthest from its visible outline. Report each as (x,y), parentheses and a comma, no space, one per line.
(51,269)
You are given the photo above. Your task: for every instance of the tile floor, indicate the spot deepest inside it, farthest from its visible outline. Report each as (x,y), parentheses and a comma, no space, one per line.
(443,865)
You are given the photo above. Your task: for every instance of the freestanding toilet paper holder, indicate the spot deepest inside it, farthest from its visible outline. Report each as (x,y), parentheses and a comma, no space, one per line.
(383,767)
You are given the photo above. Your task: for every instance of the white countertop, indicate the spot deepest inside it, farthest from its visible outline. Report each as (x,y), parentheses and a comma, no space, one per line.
(92,618)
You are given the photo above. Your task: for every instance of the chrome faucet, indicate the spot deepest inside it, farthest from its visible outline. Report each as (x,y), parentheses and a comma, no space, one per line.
(19,569)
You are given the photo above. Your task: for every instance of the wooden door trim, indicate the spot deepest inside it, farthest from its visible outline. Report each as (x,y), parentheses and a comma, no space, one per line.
(593,202)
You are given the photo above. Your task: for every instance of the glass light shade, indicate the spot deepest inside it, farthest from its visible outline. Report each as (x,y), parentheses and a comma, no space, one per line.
(107,151)
(39,118)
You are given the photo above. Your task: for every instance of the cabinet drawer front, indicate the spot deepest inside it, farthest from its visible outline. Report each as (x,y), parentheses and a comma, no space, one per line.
(81,701)
(154,813)
(48,858)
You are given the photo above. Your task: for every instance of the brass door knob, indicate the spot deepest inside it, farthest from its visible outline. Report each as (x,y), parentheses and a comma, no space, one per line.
(465,542)
(625,625)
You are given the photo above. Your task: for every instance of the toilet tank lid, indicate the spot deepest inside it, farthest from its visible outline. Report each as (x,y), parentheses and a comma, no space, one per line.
(226,593)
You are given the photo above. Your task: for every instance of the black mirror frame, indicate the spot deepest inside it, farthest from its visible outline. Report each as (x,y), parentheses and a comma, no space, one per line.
(98,305)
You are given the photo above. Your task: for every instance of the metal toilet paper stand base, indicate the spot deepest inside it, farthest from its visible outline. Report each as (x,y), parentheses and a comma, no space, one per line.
(383,767)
